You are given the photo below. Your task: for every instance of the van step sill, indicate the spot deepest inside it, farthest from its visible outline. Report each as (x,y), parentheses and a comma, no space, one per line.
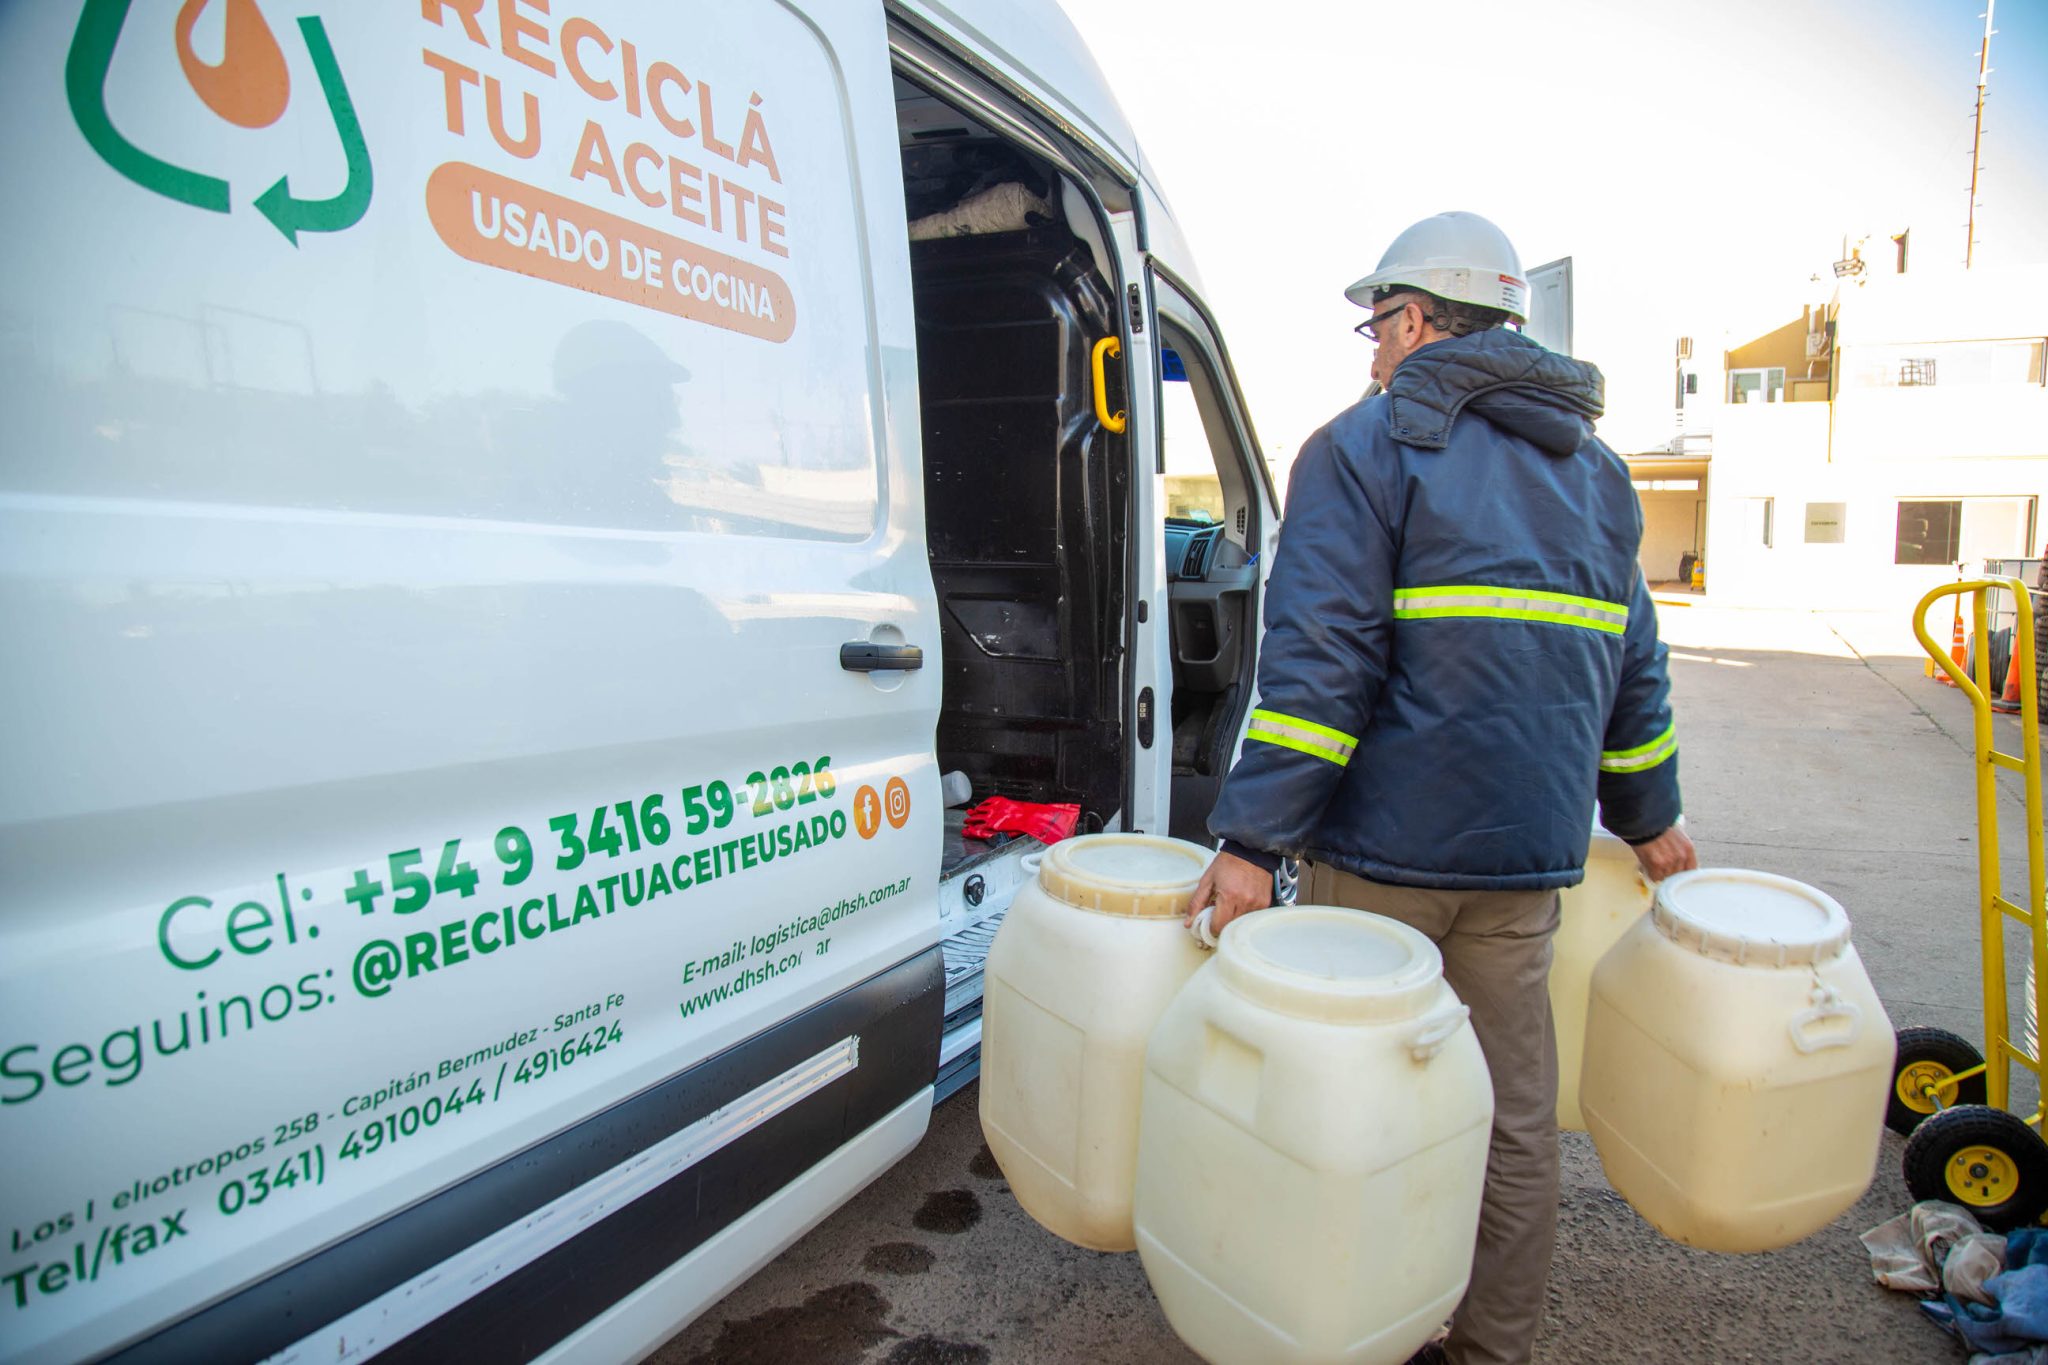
(959,1057)
(966,955)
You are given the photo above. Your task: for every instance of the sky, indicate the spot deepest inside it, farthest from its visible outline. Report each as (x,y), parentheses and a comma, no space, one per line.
(1699,163)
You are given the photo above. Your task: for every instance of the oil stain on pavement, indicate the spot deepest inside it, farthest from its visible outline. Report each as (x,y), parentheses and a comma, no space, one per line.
(929,1350)
(898,1258)
(984,1165)
(948,1211)
(835,1326)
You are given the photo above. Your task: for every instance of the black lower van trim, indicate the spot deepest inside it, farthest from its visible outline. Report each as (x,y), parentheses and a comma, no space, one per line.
(897,1016)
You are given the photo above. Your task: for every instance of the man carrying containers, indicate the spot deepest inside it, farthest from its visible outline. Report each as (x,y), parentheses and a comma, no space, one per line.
(1460,656)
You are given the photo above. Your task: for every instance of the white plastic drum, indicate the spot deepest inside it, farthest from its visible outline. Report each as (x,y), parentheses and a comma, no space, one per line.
(1737,1062)
(1089,955)
(1592,918)
(1313,1143)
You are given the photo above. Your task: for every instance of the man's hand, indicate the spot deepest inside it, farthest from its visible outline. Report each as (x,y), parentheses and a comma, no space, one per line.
(1670,852)
(1235,887)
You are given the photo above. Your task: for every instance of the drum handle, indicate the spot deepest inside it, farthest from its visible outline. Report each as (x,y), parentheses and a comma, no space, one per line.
(1827,1004)
(1436,1031)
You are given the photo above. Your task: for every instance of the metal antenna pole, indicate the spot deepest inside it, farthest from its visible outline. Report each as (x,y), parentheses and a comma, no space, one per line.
(1977,142)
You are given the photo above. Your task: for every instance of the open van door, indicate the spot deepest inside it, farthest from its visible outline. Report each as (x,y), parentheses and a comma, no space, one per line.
(469,840)
(1220,519)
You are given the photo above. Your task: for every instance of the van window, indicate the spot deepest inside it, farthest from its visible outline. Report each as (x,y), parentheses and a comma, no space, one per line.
(586,319)
(1193,491)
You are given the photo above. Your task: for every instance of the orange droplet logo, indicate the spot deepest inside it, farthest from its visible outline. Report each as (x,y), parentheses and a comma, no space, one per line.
(250,86)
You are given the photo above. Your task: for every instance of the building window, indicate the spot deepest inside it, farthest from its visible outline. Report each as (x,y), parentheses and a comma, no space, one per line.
(1963,530)
(1826,522)
(1756,386)
(1756,521)
(1949,364)
(1927,533)
(1692,383)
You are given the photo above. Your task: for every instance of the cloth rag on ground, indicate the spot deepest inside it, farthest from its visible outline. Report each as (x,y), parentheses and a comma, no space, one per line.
(1994,1290)
(1047,822)
(2012,1322)
(1907,1252)
(1970,1263)
(2026,1247)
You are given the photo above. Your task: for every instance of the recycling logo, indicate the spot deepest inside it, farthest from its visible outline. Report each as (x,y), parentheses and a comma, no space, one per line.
(249,87)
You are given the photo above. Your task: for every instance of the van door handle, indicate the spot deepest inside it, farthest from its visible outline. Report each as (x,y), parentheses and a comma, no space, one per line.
(864,657)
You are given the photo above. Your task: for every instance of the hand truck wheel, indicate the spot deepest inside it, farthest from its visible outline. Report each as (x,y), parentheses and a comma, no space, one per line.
(1926,1057)
(1984,1159)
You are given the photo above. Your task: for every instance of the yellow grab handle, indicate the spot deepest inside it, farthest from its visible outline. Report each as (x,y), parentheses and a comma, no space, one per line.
(1117,421)
(1992,906)
(2022,635)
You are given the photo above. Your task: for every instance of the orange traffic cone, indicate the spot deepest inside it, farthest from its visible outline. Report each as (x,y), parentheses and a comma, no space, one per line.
(2009,700)
(1957,650)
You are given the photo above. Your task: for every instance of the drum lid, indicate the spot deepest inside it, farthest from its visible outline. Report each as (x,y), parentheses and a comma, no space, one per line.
(1324,962)
(1143,876)
(1750,918)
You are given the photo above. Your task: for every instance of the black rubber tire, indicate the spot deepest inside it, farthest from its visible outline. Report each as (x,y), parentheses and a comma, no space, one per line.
(1937,1045)
(1939,1139)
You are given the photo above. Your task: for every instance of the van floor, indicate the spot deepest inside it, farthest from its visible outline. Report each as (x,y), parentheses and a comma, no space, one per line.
(962,854)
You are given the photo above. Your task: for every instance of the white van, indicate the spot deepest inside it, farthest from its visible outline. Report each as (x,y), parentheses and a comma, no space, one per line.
(507,511)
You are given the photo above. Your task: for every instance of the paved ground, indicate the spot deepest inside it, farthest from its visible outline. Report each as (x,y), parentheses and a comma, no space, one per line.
(1812,746)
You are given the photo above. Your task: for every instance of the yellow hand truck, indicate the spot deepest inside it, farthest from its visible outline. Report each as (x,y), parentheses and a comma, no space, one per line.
(1952,1101)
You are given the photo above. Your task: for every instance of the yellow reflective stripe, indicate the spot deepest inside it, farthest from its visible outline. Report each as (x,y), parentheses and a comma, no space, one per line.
(1513,604)
(1510,614)
(1487,590)
(1644,756)
(1285,741)
(1670,732)
(1344,741)
(1302,736)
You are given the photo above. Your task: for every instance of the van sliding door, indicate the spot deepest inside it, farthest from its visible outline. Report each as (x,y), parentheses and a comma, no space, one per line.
(462,586)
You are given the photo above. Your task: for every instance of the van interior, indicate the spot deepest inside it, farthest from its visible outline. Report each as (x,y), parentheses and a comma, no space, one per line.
(1028,495)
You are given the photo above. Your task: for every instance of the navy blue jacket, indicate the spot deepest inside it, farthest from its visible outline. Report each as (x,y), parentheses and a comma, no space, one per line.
(1460,651)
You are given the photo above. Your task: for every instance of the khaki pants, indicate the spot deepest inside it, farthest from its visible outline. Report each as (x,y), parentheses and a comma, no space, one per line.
(1496,948)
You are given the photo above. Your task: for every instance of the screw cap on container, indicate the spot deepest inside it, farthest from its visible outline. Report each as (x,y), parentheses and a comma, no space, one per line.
(1140,876)
(1322,962)
(1753,919)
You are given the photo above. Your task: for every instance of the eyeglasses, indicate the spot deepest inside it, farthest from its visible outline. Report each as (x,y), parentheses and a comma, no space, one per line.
(1370,328)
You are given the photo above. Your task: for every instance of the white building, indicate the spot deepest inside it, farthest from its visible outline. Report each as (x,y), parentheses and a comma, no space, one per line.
(1859,453)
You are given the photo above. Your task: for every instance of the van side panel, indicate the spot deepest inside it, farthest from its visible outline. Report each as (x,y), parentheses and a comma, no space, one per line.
(442,453)
(519,1315)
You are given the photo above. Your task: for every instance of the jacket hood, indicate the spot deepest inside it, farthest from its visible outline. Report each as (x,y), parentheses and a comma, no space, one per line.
(1547,399)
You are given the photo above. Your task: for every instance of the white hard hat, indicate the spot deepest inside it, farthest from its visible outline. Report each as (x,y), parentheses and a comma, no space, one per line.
(1455,256)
